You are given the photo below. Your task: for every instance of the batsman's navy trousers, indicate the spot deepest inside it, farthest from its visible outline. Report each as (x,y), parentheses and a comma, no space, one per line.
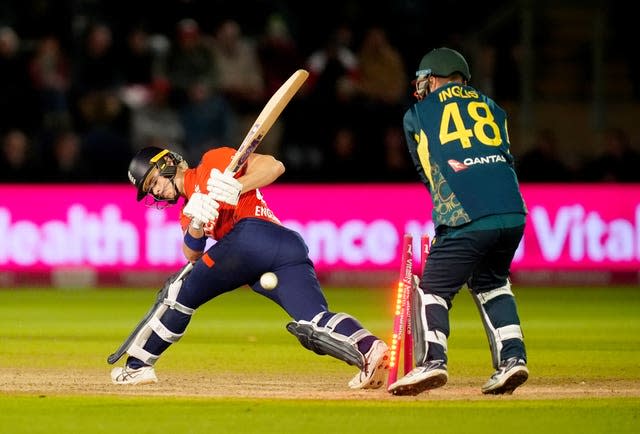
(252,248)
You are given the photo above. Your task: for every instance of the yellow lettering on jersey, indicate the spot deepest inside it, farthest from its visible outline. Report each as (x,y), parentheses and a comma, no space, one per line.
(457,91)
(423,154)
(451,114)
(444,95)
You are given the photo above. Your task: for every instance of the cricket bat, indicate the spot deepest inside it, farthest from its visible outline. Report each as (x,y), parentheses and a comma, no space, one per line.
(266,119)
(263,123)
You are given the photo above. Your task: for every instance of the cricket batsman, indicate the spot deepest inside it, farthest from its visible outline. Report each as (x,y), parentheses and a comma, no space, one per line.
(250,242)
(458,141)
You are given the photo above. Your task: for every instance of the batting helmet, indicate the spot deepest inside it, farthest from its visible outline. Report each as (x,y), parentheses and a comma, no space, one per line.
(148,158)
(443,62)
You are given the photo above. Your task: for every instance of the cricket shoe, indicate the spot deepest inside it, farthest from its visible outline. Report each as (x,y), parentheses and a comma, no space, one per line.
(376,367)
(126,375)
(510,374)
(431,376)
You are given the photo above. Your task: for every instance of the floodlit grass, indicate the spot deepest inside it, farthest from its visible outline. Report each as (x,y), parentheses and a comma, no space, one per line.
(573,336)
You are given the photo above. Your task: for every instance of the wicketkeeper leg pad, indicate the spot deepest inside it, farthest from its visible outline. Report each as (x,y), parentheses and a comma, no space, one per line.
(324,340)
(424,306)
(499,317)
(152,322)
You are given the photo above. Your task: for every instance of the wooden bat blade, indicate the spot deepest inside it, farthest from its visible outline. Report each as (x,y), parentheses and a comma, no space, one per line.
(267,117)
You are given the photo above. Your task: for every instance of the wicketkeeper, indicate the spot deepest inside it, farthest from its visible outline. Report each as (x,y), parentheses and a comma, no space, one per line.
(458,140)
(250,241)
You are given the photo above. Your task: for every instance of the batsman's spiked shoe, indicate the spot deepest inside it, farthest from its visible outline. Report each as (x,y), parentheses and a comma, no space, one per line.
(376,367)
(431,376)
(510,374)
(126,375)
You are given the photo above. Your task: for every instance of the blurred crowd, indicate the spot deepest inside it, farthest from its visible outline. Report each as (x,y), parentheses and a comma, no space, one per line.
(80,116)
(78,113)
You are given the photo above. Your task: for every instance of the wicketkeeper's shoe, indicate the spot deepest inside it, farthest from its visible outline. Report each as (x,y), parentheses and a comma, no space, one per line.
(126,375)
(376,367)
(431,376)
(510,374)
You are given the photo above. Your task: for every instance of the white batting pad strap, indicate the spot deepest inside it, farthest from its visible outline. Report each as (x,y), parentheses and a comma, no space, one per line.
(178,306)
(437,337)
(490,295)
(172,297)
(315,319)
(509,332)
(140,353)
(329,328)
(359,335)
(174,289)
(433,299)
(335,320)
(162,331)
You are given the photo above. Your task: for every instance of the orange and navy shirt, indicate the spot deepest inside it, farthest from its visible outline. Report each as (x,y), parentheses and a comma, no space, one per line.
(250,204)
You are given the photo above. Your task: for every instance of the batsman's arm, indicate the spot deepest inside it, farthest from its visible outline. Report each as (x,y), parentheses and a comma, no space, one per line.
(199,208)
(262,170)
(194,243)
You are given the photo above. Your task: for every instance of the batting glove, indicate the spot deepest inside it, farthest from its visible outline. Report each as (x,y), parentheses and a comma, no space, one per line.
(201,209)
(223,187)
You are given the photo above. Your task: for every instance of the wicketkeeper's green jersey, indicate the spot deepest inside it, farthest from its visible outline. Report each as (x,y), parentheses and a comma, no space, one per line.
(458,140)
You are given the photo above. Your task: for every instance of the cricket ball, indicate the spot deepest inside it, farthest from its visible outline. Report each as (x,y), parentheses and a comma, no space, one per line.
(269,280)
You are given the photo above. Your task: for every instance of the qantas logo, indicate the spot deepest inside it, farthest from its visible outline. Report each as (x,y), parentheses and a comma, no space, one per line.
(489,159)
(457,166)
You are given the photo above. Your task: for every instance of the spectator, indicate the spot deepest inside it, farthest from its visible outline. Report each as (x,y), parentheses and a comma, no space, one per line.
(106,150)
(541,163)
(279,58)
(344,158)
(381,71)
(189,61)
(138,60)
(207,120)
(67,163)
(618,161)
(50,73)
(18,160)
(333,69)
(396,165)
(278,54)
(156,122)
(18,107)
(96,101)
(96,66)
(333,72)
(381,90)
(240,75)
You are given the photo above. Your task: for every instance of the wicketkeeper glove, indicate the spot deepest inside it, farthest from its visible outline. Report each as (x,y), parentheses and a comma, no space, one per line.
(201,209)
(223,187)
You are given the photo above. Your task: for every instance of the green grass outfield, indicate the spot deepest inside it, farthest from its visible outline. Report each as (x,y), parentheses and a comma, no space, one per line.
(237,370)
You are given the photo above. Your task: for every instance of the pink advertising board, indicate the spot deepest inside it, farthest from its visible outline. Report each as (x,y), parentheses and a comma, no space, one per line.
(348,227)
